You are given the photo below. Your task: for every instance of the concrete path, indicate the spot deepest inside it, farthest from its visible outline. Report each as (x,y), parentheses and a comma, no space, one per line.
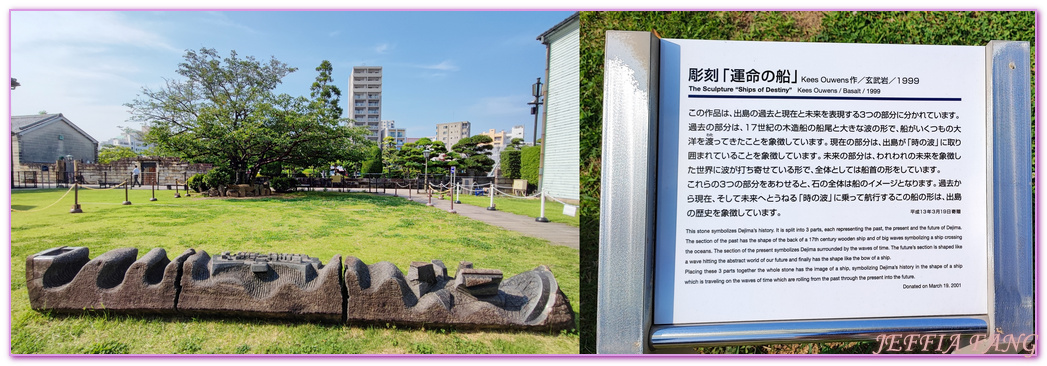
(557,233)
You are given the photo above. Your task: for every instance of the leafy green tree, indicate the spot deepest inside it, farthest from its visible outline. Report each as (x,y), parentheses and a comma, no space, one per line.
(392,167)
(225,112)
(411,157)
(475,154)
(516,144)
(110,153)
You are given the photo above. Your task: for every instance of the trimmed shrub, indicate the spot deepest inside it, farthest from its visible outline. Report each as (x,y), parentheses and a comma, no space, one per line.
(510,161)
(530,158)
(372,167)
(283,184)
(196,183)
(218,176)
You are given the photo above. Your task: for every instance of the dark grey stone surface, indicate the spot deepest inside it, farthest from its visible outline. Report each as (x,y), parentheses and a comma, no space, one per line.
(64,280)
(476,298)
(293,286)
(262,285)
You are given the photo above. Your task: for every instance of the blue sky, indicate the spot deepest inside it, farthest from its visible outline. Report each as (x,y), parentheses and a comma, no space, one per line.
(438,66)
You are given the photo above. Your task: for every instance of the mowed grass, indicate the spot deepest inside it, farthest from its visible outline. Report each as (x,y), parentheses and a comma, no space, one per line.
(317,224)
(524,206)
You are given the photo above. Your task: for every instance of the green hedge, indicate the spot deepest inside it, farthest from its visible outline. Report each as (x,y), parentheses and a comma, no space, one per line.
(530,158)
(905,27)
(510,161)
(218,176)
(196,183)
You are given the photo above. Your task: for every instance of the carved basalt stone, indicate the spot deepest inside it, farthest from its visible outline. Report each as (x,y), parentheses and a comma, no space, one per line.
(272,286)
(477,298)
(63,279)
(294,286)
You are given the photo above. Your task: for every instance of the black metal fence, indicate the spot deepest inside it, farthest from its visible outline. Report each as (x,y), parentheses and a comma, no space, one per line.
(41,179)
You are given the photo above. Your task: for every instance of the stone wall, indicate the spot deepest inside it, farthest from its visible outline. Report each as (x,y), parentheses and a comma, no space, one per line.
(168,170)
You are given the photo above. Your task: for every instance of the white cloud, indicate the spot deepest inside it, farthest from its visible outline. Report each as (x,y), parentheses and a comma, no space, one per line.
(447,65)
(222,20)
(30,29)
(334,34)
(82,64)
(384,48)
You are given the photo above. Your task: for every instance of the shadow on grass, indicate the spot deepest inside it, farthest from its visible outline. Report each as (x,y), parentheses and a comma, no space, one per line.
(355,197)
(22,207)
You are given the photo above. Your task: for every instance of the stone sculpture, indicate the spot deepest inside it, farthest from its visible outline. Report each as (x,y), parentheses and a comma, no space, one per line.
(64,280)
(271,286)
(292,286)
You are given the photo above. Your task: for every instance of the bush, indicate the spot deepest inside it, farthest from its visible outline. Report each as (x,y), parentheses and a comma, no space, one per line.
(218,176)
(283,184)
(372,167)
(196,183)
(529,160)
(510,161)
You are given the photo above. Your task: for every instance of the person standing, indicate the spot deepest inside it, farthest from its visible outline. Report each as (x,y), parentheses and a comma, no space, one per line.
(134,175)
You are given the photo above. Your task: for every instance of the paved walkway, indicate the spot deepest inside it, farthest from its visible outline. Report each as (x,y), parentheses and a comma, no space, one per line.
(557,233)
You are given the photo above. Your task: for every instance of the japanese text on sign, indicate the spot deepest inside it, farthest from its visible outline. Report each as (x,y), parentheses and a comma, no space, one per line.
(820,181)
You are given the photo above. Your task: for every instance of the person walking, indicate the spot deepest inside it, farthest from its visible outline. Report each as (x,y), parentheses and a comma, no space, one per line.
(134,175)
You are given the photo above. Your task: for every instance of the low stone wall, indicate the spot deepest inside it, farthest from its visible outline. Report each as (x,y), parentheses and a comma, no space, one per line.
(169,170)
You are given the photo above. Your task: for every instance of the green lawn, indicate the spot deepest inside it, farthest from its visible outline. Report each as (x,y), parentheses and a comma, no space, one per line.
(317,224)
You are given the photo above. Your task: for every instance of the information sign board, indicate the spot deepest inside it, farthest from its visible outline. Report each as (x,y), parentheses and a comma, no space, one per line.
(763,192)
(803,181)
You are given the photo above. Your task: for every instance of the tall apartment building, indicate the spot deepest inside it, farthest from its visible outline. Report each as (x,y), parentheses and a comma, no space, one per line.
(365,99)
(450,133)
(499,140)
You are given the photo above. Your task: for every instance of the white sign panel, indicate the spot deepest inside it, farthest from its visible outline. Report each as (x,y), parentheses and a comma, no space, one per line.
(820,181)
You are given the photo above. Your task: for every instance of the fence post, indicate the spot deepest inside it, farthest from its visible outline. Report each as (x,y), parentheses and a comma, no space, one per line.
(491,207)
(153,186)
(76,200)
(452,202)
(127,188)
(541,217)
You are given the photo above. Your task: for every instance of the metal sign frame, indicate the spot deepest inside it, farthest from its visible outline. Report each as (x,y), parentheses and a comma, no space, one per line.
(629,199)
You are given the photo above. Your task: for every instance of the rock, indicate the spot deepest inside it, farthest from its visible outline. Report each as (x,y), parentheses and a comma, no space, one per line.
(64,280)
(290,286)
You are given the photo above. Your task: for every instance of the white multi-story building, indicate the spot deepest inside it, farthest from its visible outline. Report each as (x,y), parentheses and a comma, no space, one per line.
(365,99)
(450,133)
(516,133)
(399,135)
(129,139)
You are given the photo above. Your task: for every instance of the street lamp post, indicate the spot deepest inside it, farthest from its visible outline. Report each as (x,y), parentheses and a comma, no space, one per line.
(426,153)
(536,91)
